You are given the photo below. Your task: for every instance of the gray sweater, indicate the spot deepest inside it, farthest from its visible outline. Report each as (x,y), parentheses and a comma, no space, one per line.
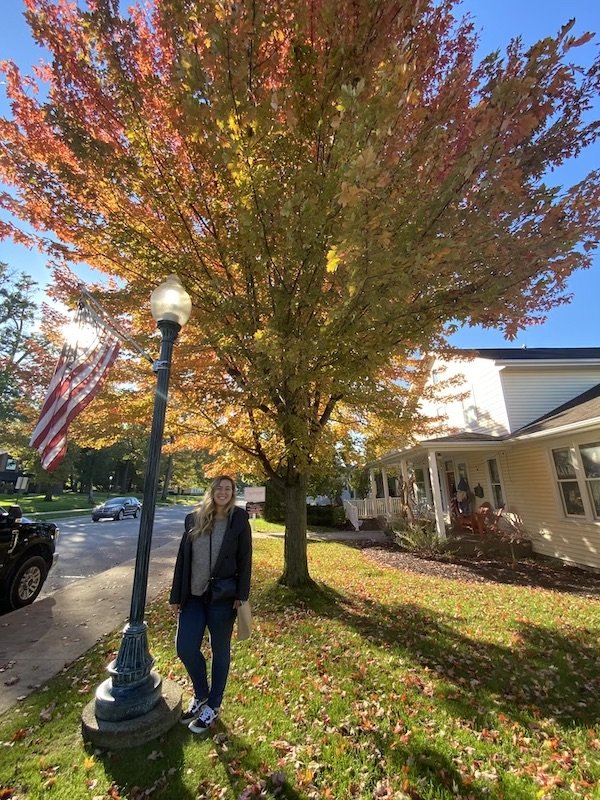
(201,549)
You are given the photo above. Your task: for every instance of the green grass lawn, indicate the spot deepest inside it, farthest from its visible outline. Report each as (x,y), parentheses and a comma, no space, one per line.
(68,501)
(35,505)
(382,684)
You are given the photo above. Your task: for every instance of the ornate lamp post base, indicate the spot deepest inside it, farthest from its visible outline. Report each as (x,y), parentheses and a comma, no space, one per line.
(133,688)
(133,732)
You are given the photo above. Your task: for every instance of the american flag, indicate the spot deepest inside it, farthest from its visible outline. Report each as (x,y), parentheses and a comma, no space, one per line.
(82,364)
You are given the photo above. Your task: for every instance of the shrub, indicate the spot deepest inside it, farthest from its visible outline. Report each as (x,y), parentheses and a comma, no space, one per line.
(338,517)
(274,510)
(418,536)
(319,515)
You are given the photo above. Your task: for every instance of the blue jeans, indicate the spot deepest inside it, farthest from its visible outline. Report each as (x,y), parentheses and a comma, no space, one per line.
(194,618)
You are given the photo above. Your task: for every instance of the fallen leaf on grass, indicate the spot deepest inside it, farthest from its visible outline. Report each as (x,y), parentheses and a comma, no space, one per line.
(46,713)
(281,746)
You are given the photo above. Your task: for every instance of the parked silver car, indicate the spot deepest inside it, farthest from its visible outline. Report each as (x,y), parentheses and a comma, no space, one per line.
(117,508)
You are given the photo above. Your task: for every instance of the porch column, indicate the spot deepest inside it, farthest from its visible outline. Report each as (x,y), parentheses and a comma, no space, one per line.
(373,484)
(386,490)
(406,488)
(434,479)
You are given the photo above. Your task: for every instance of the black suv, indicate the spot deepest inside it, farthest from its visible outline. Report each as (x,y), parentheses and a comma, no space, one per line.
(27,551)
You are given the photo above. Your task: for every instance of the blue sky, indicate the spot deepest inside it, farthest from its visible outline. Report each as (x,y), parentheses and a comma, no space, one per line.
(497,22)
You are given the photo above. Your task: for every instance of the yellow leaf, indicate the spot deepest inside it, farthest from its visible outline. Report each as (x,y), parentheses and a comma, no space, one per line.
(89,762)
(333,259)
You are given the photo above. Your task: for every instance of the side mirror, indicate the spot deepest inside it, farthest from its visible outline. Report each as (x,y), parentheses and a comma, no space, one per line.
(14,513)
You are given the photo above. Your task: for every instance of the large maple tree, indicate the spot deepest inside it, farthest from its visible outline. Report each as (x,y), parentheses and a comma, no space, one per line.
(335,184)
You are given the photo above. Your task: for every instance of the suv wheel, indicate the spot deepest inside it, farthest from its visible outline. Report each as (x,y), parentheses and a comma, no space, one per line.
(27,581)
(120,515)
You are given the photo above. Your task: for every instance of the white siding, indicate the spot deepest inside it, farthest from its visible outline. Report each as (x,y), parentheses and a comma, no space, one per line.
(532,391)
(529,487)
(482,408)
(531,491)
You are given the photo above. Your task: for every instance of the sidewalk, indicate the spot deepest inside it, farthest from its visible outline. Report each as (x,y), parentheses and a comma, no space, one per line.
(38,641)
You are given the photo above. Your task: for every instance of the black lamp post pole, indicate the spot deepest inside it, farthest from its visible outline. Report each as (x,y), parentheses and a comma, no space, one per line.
(133,688)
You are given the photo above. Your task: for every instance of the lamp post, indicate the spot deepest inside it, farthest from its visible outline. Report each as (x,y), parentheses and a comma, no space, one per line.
(134,689)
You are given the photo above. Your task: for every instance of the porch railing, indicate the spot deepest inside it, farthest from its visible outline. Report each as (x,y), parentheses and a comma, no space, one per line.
(376,507)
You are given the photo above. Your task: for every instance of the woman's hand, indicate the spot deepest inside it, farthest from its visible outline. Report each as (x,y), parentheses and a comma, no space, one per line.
(237,603)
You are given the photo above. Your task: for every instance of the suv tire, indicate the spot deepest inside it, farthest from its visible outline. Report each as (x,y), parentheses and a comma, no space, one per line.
(120,515)
(27,582)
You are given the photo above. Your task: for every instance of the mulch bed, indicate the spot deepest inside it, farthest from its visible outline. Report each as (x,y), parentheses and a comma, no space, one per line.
(541,573)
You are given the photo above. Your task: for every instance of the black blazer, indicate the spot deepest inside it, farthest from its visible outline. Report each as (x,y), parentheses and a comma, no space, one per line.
(234,559)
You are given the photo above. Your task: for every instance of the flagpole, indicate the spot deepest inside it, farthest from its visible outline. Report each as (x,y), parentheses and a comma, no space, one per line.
(133,691)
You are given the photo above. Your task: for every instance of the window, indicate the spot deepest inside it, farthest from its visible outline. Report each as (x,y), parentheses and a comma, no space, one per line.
(566,473)
(497,494)
(590,458)
(420,486)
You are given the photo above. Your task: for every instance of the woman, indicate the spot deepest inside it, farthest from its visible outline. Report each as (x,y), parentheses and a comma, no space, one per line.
(211,581)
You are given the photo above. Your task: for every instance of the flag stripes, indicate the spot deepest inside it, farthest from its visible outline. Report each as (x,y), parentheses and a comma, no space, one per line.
(81,367)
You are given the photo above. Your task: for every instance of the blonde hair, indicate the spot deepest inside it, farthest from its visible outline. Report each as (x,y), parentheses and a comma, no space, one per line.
(204,514)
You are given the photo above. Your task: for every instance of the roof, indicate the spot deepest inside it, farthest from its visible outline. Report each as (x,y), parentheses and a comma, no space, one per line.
(535,353)
(583,408)
(465,436)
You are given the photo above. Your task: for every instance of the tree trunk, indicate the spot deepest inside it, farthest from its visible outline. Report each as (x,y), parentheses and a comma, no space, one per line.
(295,567)
(167,480)
(91,475)
(126,480)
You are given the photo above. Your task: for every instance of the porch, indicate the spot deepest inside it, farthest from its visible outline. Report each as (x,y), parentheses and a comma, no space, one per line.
(454,478)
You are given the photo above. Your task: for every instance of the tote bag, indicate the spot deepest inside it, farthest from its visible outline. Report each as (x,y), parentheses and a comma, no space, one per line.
(244,622)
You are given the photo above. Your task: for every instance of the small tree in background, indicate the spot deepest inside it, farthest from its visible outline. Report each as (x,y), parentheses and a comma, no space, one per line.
(336,185)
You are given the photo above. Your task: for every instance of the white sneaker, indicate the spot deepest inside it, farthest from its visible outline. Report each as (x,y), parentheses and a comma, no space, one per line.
(193,710)
(205,720)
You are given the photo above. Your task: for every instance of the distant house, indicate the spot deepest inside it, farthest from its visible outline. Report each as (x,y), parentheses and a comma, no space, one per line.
(525,436)
(11,476)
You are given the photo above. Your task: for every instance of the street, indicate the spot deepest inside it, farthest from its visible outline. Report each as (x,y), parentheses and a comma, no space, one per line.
(86,548)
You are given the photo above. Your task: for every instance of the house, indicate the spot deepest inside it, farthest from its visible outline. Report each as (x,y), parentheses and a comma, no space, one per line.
(524,435)
(11,477)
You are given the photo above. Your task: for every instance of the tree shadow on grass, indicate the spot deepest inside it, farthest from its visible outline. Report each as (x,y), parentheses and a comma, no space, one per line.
(544,672)
(139,771)
(156,767)
(246,771)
